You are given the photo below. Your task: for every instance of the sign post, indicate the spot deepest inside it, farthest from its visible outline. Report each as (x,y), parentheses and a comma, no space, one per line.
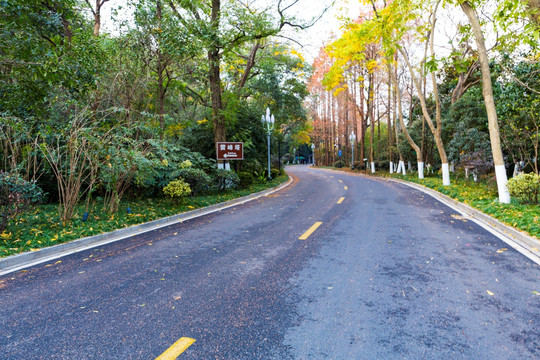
(227,151)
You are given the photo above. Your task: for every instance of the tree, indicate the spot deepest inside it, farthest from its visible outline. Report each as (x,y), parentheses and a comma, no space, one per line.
(498,159)
(223,27)
(96,11)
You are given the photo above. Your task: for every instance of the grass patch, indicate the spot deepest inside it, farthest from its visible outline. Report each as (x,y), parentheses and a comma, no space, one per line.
(42,227)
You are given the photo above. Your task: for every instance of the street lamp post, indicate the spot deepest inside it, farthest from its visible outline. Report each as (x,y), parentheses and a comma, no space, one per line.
(269,120)
(313,151)
(353,140)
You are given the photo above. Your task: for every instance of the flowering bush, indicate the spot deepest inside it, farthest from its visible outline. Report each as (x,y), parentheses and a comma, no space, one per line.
(16,196)
(525,187)
(177,189)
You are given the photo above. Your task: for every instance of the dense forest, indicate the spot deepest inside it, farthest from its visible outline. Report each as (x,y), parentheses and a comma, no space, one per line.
(86,114)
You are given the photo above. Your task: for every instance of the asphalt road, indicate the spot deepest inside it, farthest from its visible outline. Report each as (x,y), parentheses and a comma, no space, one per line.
(389,274)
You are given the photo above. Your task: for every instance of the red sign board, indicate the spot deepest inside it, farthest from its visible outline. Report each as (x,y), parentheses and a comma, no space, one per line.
(230,151)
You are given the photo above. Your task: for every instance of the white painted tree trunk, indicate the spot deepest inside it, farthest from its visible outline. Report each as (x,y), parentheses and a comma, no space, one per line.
(500,174)
(420,170)
(445,174)
(391,167)
(398,170)
(403,170)
(489,101)
(372,167)
(409,166)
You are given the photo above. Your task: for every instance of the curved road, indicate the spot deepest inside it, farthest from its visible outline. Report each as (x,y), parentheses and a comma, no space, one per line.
(389,273)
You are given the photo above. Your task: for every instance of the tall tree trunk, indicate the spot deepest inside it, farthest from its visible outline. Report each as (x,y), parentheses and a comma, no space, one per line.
(416,148)
(371,121)
(347,128)
(389,116)
(436,131)
(487,90)
(214,78)
(160,106)
(355,119)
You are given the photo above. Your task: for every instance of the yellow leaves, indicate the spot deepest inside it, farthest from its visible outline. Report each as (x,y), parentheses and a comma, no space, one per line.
(5,235)
(490,293)
(203,121)
(297,54)
(500,251)
(54,238)
(372,65)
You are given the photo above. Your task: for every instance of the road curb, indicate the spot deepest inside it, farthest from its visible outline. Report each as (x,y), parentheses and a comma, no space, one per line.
(23,260)
(522,242)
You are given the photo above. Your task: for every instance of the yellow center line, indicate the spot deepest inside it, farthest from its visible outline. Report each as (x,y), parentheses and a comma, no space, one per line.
(346,188)
(310,231)
(176,349)
(340,200)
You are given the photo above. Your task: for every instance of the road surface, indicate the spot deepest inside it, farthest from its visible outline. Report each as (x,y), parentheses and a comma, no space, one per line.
(387,272)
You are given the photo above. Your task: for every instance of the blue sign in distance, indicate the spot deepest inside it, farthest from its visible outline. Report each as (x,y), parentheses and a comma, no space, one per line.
(339,153)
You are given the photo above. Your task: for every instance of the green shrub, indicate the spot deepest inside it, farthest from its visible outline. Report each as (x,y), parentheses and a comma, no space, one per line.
(16,196)
(261,177)
(198,180)
(525,187)
(252,166)
(177,189)
(383,165)
(358,165)
(246,179)
(339,164)
(274,173)
(225,180)
(186,164)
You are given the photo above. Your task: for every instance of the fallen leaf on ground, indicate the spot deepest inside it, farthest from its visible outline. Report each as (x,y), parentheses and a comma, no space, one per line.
(490,293)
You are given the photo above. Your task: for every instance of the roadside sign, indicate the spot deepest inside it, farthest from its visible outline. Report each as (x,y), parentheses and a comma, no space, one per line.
(230,151)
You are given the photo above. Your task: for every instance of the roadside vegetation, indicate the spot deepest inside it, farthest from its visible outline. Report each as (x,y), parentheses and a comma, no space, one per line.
(100,130)
(42,226)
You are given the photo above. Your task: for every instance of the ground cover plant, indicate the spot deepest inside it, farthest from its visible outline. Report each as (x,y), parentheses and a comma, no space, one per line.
(43,227)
